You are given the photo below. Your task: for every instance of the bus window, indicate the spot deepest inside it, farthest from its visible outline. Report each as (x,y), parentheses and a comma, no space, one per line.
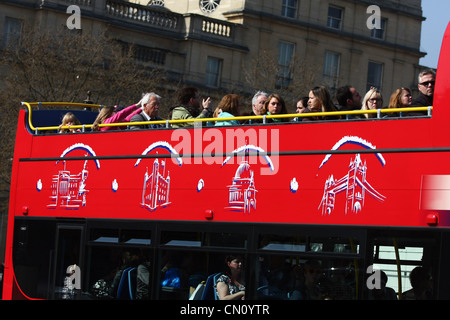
(334,244)
(140,237)
(119,264)
(67,282)
(397,256)
(119,272)
(180,238)
(104,235)
(291,277)
(34,243)
(182,271)
(204,239)
(188,258)
(177,272)
(282,243)
(126,236)
(313,243)
(225,240)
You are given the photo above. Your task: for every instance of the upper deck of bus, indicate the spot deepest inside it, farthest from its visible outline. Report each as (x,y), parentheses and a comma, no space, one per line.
(380,171)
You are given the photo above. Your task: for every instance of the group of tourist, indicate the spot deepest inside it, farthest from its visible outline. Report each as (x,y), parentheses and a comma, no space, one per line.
(349,99)
(191,107)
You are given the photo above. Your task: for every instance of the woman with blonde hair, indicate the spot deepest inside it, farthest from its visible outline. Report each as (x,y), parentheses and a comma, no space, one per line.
(373,100)
(69,119)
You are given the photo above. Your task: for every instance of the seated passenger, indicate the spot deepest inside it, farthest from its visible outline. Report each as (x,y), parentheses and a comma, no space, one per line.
(229,286)
(143,276)
(228,107)
(348,99)
(320,101)
(258,102)
(189,107)
(310,288)
(69,119)
(373,100)
(426,80)
(422,285)
(275,105)
(301,106)
(384,292)
(150,107)
(115,115)
(400,98)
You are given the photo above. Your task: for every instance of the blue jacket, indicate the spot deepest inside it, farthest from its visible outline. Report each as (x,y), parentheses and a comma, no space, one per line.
(226,122)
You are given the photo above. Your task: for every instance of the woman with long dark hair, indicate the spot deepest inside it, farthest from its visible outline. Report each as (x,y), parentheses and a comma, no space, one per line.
(275,105)
(230,285)
(320,101)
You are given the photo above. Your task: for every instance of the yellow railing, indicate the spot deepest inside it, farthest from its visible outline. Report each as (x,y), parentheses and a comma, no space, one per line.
(30,105)
(167,123)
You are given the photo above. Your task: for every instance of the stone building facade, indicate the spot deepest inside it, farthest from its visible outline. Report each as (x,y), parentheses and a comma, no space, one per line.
(209,43)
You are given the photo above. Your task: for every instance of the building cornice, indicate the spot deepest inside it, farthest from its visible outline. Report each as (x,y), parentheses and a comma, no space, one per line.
(312,27)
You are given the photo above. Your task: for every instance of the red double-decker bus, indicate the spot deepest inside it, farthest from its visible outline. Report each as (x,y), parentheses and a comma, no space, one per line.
(152,214)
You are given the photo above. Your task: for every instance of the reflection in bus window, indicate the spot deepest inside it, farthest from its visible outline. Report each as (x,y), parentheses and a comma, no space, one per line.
(115,272)
(282,243)
(204,239)
(303,244)
(398,255)
(283,277)
(334,244)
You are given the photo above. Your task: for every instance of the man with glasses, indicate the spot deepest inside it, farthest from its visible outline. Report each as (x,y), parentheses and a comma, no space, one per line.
(426,88)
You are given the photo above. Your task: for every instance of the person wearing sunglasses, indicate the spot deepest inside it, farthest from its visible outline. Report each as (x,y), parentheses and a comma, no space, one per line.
(426,88)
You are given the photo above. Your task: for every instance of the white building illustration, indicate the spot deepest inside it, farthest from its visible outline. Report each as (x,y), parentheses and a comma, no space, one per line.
(155,193)
(242,193)
(354,184)
(69,190)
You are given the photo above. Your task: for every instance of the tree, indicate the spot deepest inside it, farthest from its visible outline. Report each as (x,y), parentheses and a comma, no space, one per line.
(264,73)
(64,66)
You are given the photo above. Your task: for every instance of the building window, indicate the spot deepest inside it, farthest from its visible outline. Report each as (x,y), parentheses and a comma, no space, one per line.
(334,17)
(156,3)
(213,71)
(285,56)
(12,32)
(379,33)
(289,8)
(374,75)
(331,69)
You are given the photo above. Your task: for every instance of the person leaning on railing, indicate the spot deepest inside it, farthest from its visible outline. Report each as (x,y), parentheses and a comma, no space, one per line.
(115,114)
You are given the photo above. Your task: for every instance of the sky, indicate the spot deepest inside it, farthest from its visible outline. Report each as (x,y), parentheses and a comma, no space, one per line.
(437,13)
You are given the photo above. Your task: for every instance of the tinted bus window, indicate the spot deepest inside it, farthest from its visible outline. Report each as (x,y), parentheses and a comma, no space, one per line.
(291,277)
(119,272)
